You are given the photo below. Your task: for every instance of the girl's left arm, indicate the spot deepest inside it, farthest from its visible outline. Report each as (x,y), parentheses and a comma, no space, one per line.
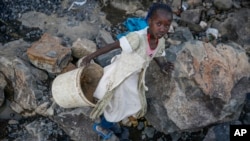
(100,51)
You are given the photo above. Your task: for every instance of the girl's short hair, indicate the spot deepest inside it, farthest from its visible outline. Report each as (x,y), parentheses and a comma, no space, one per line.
(156,6)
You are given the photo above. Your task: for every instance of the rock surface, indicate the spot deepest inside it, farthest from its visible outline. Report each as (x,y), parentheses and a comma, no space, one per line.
(223,4)
(83,47)
(48,54)
(27,82)
(53,25)
(238,32)
(202,90)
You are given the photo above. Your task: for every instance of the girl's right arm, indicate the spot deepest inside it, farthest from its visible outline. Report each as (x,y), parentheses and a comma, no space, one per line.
(100,51)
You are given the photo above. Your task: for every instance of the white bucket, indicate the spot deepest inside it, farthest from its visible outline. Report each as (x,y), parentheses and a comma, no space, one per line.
(67,91)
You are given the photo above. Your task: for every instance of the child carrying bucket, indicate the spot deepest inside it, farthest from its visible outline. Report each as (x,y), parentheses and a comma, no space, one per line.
(121,90)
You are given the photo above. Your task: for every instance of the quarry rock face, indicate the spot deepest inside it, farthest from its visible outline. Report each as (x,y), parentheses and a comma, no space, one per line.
(208,86)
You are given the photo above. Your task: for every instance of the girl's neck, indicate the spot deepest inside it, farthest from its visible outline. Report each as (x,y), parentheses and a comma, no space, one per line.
(151,35)
(153,42)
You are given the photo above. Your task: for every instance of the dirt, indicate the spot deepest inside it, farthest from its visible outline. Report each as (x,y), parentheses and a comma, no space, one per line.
(90,78)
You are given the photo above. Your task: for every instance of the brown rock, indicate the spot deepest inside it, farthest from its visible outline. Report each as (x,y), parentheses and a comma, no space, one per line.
(83,47)
(68,68)
(49,54)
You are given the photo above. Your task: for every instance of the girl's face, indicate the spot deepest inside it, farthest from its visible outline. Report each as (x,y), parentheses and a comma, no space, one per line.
(159,23)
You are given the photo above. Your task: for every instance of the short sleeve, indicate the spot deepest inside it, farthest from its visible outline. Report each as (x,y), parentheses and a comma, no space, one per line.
(129,42)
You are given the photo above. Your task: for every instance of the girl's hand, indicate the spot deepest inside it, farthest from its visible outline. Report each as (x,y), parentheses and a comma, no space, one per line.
(167,67)
(86,61)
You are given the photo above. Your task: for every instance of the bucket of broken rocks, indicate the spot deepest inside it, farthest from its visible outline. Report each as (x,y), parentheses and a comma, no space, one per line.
(75,88)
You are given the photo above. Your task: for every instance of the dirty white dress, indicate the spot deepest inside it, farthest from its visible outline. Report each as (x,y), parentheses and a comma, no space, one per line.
(124,78)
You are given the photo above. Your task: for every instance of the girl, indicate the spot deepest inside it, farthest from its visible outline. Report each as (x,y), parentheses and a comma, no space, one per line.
(121,90)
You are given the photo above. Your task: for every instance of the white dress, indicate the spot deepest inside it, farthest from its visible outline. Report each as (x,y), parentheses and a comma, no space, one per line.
(125,101)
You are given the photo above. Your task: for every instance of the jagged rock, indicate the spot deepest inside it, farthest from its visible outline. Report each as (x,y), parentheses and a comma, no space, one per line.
(141,13)
(44,110)
(7,113)
(207,86)
(26,82)
(181,34)
(83,47)
(48,54)
(61,26)
(176,5)
(2,97)
(245,117)
(215,133)
(220,132)
(192,15)
(230,29)
(105,59)
(103,39)
(245,3)
(193,3)
(76,124)
(129,6)
(42,129)
(223,4)
(196,28)
(3,83)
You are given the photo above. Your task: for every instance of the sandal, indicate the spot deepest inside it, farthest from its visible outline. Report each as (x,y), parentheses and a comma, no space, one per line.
(104,133)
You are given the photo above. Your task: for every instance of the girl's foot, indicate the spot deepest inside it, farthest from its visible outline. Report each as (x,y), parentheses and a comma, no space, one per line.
(104,133)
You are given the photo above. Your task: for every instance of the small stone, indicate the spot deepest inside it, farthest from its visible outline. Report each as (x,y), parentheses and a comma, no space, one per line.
(140,126)
(83,47)
(203,24)
(149,132)
(13,121)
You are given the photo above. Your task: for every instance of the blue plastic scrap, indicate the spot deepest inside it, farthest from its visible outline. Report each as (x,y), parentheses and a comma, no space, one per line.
(133,24)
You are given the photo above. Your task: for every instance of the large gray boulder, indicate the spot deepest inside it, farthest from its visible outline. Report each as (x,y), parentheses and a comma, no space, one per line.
(76,124)
(230,28)
(208,86)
